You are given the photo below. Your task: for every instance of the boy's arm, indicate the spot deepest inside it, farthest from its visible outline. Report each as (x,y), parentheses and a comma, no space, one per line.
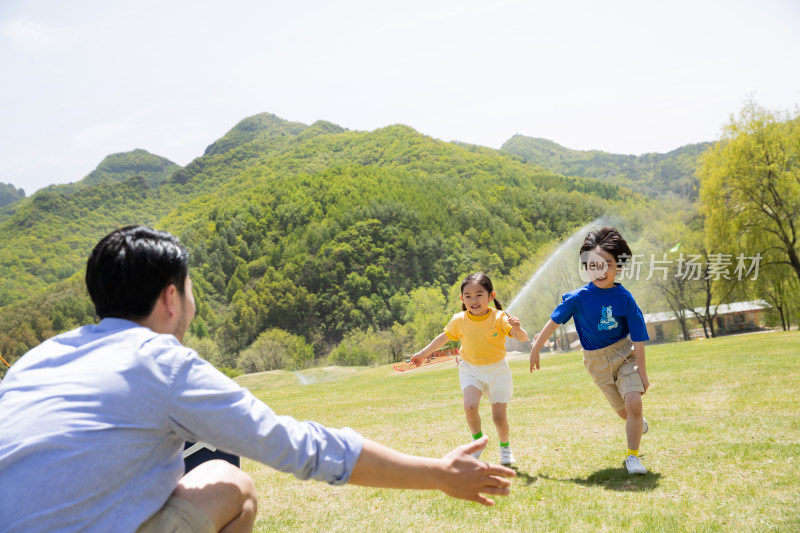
(539,340)
(457,474)
(434,345)
(638,353)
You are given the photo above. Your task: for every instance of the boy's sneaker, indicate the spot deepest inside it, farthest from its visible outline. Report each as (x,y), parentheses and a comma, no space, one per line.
(634,465)
(477,455)
(645,426)
(506,456)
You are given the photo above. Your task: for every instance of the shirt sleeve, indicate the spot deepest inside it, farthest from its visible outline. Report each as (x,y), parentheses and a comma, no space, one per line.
(564,311)
(208,406)
(505,327)
(453,329)
(636,324)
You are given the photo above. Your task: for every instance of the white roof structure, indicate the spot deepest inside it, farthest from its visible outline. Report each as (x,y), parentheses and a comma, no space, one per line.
(724,309)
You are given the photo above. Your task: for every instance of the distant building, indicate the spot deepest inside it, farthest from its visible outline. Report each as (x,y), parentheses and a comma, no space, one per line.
(730,318)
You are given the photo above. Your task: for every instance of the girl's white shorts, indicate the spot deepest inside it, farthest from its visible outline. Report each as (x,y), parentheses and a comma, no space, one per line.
(494,380)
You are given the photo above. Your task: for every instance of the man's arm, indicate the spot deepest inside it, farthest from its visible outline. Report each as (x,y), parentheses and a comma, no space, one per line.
(457,474)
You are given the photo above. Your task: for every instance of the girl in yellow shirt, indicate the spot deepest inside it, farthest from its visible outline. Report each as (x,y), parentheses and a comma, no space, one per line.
(483,369)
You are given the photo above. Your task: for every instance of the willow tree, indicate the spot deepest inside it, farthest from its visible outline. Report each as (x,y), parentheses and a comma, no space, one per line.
(750,188)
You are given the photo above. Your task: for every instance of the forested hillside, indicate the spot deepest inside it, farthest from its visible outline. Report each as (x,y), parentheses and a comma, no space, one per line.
(301,232)
(46,238)
(10,194)
(653,174)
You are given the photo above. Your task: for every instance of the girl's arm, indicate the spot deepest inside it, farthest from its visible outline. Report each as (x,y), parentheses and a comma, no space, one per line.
(434,345)
(539,340)
(516,329)
(638,353)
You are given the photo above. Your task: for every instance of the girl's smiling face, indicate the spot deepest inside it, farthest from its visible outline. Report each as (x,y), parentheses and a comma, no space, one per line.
(476,298)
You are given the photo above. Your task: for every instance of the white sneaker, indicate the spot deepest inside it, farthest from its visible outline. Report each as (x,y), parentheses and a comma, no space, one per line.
(477,455)
(634,465)
(645,426)
(506,456)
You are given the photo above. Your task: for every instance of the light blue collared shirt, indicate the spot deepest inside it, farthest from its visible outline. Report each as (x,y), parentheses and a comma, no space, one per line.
(93,422)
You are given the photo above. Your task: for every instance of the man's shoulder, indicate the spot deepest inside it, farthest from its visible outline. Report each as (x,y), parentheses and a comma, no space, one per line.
(135,338)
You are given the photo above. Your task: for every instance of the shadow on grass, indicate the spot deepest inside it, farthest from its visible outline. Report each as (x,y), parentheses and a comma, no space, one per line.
(523,477)
(615,479)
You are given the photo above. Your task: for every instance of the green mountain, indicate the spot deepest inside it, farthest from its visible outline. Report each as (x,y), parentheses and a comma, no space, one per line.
(10,194)
(119,167)
(651,174)
(264,130)
(313,229)
(46,237)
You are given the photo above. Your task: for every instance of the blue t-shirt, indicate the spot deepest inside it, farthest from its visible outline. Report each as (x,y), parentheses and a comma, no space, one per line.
(93,423)
(602,316)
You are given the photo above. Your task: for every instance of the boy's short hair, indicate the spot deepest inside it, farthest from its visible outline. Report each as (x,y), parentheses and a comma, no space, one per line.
(129,267)
(610,241)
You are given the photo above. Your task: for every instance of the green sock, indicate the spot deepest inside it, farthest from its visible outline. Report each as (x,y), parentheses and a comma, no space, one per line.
(504,444)
(477,435)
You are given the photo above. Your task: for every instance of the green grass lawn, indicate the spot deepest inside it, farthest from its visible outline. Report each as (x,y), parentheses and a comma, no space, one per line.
(723,448)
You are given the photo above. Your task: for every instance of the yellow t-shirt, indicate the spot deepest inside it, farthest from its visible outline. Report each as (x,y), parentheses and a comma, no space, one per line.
(483,338)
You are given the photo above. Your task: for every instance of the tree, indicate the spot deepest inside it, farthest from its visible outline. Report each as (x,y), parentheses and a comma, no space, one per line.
(429,314)
(781,290)
(276,349)
(715,288)
(750,186)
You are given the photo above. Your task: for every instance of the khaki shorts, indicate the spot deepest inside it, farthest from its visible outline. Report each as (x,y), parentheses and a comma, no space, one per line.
(178,516)
(494,380)
(615,371)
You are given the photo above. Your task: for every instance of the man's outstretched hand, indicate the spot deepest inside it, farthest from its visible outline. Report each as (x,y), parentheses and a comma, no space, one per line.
(469,478)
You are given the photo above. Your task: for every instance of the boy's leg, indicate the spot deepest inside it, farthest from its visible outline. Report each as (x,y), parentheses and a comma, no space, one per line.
(632,413)
(623,414)
(500,419)
(223,492)
(472,399)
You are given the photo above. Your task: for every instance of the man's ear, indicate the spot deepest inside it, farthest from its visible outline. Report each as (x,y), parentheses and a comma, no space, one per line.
(170,298)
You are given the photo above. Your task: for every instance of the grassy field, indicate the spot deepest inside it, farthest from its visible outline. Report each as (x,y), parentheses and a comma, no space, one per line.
(723,448)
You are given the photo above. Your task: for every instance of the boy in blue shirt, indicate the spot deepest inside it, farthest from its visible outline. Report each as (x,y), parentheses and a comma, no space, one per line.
(605,314)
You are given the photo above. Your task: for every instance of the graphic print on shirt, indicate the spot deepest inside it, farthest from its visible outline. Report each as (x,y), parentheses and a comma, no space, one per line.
(607,320)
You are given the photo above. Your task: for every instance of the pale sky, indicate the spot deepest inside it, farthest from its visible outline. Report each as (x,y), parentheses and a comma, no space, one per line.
(82,79)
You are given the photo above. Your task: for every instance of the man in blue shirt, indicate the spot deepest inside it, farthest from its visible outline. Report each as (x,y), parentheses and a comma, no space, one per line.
(95,419)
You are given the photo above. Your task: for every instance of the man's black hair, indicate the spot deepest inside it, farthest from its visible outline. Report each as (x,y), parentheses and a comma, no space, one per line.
(129,268)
